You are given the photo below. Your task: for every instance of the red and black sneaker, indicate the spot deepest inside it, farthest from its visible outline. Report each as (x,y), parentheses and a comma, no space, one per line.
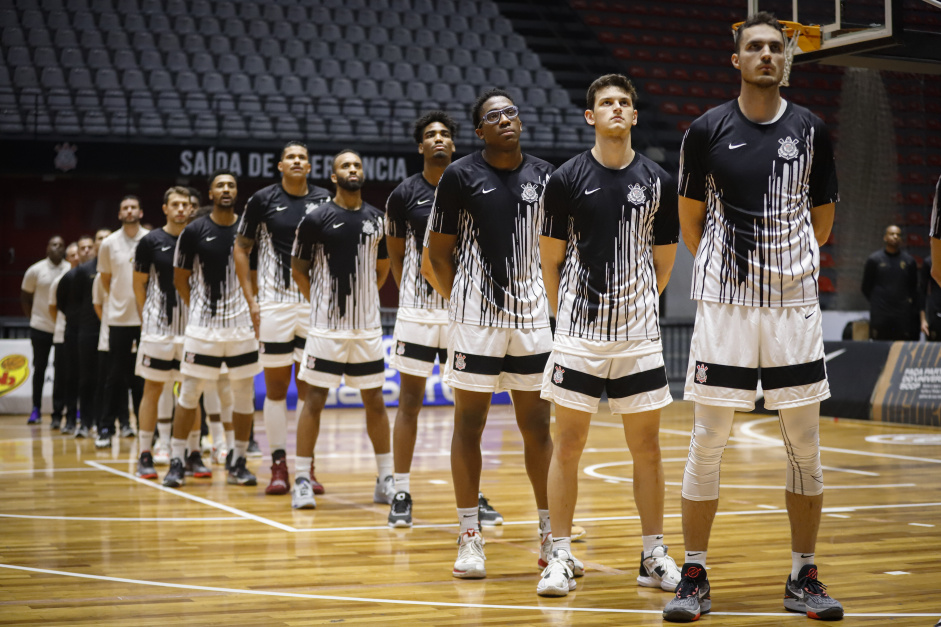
(145,466)
(280,481)
(692,596)
(809,596)
(318,489)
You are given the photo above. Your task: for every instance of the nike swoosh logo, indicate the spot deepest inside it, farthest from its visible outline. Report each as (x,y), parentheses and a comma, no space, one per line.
(336,226)
(165,248)
(468,515)
(734,146)
(487,191)
(282,208)
(209,239)
(589,193)
(808,315)
(806,556)
(696,553)
(422,202)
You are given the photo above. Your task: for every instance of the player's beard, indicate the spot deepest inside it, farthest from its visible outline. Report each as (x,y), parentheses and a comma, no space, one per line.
(350,186)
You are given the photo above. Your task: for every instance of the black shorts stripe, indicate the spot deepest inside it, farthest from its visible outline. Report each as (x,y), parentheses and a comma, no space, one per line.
(417,351)
(244,359)
(164,365)
(278,348)
(366,368)
(717,375)
(300,342)
(513,364)
(793,376)
(525,364)
(637,383)
(211,361)
(575,381)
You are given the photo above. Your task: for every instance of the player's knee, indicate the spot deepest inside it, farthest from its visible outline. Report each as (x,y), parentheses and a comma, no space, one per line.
(800,429)
(190,391)
(242,397)
(710,435)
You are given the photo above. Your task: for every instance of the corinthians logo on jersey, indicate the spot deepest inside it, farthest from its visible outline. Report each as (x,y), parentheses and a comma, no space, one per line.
(530,192)
(368,227)
(788,149)
(636,194)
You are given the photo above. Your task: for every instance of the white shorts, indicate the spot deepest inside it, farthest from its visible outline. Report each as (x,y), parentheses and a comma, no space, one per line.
(282,333)
(632,373)
(492,359)
(356,358)
(212,352)
(416,346)
(158,358)
(731,342)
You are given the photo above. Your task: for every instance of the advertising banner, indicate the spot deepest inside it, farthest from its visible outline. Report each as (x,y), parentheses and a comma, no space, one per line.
(909,390)
(16,378)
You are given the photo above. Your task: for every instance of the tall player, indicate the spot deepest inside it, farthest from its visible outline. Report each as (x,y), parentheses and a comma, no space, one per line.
(280,313)
(609,240)
(757,196)
(218,331)
(60,398)
(340,254)
(163,321)
(483,247)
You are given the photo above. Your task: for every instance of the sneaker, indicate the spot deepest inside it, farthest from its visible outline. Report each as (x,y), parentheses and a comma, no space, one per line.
(81,432)
(318,488)
(659,570)
(401,513)
(692,596)
(56,423)
(34,418)
(161,453)
(280,481)
(205,446)
(176,476)
(127,431)
(385,490)
(239,474)
(145,466)
(809,596)
(487,516)
(102,441)
(557,578)
(302,496)
(68,429)
(546,552)
(470,556)
(195,467)
(218,455)
(253,450)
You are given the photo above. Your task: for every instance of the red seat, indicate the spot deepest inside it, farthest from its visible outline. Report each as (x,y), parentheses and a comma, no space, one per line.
(692,108)
(675,90)
(826,260)
(826,285)
(915,218)
(669,108)
(915,240)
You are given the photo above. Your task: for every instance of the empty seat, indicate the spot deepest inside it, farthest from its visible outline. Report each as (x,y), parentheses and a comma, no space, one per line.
(95,123)
(249,103)
(275,105)
(151,60)
(56,99)
(254,65)
(205,125)
(317,86)
(186,81)
(65,38)
(239,83)
(304,67)
(328,107)
(330,68)
(202,62)
(229,64)
(133,79)
(143,41)
(178,125)
(367,89)
(169,100)
(269,48)
(391,90)
(264,84)
(213,83)
(286,127)
(177,61)
(279,66)
(291,86)
(67,122)
(260,127)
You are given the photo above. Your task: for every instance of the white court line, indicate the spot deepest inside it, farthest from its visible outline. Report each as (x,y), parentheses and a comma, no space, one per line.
(324,597)
(118,519)
(39,471)
(865,473)
(185,495)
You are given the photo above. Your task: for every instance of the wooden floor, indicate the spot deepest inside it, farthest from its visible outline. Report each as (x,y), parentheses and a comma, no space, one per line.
(83,542)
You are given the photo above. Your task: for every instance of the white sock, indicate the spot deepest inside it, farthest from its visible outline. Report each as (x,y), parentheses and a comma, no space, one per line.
(467,517)
(229,436)
(798,561)
(192,442)
(562,543)
(544,526)
(276,424)
(145,438)
(651,542)
(695,557)
(217,431)
(384,464)
(165,431)
(401,482)
(178,449)
(302,467)
(241,450)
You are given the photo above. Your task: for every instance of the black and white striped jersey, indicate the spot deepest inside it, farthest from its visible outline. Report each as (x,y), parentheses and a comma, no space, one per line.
(407,211)
(935,224)
(610,219)
(759,183)
(270,218)
(496,217)
(342,247)
(164,311)
(216,300)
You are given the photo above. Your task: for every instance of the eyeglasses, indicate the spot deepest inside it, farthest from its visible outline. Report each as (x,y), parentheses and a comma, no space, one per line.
(492,117)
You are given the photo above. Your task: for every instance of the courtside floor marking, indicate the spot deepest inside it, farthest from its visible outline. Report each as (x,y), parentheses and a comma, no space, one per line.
(324,597)
(119,519)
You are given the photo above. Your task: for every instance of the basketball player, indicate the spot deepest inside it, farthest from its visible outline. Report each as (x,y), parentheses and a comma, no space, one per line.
(757,196)
(279,315)
(609,240)
(60,401)
(34,297)
(103,363)
(339,262)
(88,328)
(163,322)
(69,304)
(218,329)
(483,247)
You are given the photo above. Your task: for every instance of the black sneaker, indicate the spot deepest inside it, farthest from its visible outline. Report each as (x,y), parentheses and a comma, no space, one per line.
(194,466)
(68,429)
(145,466)
(692,596)
(486,515)
(401,513)
(239,474)
(176,476)
(809,596)
(56,423)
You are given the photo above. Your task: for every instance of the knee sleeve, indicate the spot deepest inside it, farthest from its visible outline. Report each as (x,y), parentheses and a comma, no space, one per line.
(225,393)
(800,428)
(190,391)
(711,428)
(242,397)
(211,398)
(165,402)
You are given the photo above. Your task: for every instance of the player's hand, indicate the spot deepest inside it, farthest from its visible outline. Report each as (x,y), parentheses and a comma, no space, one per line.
(255,312)
(924,327)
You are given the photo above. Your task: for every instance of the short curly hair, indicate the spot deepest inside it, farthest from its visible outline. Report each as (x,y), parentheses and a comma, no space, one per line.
(418,132)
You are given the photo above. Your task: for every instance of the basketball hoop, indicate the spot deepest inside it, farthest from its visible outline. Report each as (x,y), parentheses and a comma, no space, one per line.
(807,38)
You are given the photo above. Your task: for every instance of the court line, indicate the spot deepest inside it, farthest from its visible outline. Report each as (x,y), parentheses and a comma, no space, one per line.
(39,471)
(325,597)
(117,519)
(185,495)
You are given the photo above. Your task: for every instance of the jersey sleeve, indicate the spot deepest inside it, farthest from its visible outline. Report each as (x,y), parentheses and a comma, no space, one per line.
(143,256)
(306,237)
(396,222)
(666,223)
(556,207)
(104,257)
(30,279)
(251,217)
(447,206)
(693,151)
(185,253)
(823,185)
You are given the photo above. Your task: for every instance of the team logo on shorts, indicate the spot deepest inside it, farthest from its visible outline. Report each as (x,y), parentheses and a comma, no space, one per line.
(558,375)
(636,195)
(460,361)
(788,149)
(145,361)
(400,350)
(530,193)
(311,362)
(701,373)
(368,227)
(190,358)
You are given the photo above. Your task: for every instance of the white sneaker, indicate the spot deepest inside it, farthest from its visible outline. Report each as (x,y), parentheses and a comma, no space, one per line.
(161,454)
(470,556)
(558,579)
(385,490)
(205,445)
(219,455)
(659,570)
(545,556)
(302,496)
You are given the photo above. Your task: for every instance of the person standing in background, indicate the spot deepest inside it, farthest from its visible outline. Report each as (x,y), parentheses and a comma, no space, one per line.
(890,284)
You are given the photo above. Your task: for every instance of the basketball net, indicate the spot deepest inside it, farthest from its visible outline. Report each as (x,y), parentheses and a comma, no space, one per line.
(807,38)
